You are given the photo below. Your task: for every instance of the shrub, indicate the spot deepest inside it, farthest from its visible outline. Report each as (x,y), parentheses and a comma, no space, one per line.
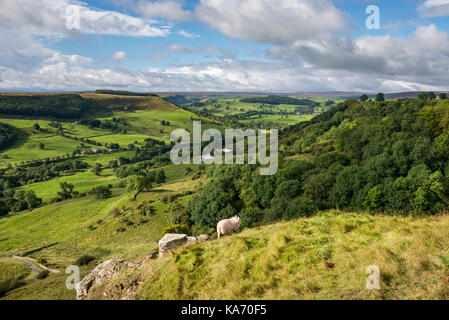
(43,274)
(10,284)
(101,192)
(42,261)
(251,216)
(299,207)
(177,228)
(84,260)
(115,212)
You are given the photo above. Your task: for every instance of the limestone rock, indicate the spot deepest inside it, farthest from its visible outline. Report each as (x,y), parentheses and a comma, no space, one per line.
(202,238)
(102,273)
(172,241)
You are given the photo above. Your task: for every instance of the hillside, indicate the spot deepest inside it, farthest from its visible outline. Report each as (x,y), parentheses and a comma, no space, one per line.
(324,257)
(103,186)
(276,100)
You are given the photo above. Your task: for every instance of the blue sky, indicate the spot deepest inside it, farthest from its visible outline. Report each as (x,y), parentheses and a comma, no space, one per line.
(224,45)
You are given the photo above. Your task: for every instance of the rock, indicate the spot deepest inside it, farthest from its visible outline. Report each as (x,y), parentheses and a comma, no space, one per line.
(202,238)
(190,240)
(172,241)
(102,273)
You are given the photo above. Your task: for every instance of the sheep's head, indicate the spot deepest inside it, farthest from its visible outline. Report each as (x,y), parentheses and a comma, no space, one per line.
(238,217)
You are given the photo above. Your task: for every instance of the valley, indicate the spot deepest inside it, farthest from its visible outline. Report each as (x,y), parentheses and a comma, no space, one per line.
(359,183)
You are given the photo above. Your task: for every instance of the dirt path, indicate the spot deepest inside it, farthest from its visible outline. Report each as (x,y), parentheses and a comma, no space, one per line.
(33,268)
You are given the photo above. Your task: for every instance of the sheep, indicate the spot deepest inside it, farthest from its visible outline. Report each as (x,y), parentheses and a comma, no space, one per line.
(228,225)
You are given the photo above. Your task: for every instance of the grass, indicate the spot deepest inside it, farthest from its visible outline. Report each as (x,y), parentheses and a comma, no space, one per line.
(233,106)
(85,226)
(83,181)
(13,270)
(143,124)
(323,257)
(148,122)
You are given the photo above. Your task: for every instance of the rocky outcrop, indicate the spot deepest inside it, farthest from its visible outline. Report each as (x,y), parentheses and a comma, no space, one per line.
(102,273)
(173,241)
(125,287)
(202,238)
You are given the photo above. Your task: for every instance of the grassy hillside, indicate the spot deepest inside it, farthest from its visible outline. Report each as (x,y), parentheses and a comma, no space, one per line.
(258,111)
(323,257)
(62,232)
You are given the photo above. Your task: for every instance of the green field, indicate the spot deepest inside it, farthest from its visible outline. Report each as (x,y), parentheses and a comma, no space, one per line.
(231,106)
(83,181)
(13,270)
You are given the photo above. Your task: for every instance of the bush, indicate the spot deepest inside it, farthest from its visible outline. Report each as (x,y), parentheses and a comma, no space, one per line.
(84,260)
(10,284)
(251,216)
(42,261)
(115,212)
(177,228)
(299,207)
(43,274)
(101,192)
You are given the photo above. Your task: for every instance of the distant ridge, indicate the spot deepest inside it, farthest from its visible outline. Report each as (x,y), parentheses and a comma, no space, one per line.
(329,94)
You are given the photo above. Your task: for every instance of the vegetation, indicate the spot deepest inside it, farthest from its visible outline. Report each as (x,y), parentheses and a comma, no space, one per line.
(323,257)
(7,136)
(281,100)
(57,105)
(104,186)
(13,271)
(125,93)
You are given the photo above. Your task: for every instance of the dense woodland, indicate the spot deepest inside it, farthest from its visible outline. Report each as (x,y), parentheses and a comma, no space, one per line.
(276,100)
(390,157)
(126,93)
(54,105)
(7,136)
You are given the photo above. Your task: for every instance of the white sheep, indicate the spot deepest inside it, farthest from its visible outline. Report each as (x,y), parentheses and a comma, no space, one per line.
(228,225)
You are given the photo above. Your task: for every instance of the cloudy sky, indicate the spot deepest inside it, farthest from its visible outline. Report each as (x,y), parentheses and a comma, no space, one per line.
(223,45)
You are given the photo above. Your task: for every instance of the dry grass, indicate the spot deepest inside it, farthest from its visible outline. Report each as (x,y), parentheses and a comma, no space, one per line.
(324,257)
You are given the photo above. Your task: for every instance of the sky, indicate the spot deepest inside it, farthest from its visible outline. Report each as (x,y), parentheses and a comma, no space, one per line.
(224,45)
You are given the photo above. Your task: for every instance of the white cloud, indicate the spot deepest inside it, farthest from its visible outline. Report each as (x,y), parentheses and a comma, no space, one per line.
(272,21)
(168,9)
(187,34)
(434,8)
(72,72)
(119,55)
(189,49)
(422,58)
(48,17)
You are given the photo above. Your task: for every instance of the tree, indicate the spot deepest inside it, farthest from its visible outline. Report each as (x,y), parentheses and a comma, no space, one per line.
(423,96)
(431,95)
(364,98)
(32,200)
(101,192)
(37,127)
(374,200)
(160,177)
(138,184)
(443,95)
(380,97)
(41,146)
(66,191)
(97,169)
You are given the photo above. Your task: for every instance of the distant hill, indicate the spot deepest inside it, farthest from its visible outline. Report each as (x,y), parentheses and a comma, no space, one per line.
(54,105)
(125,93)
(281,100)
(178,100)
